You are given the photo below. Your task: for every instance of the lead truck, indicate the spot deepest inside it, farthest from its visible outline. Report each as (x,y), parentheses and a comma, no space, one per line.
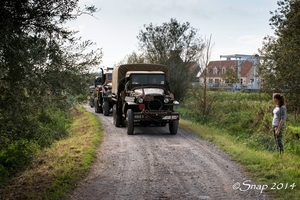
(141,96)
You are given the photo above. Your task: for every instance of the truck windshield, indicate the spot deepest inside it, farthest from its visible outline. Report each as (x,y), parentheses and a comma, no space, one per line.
(145,79)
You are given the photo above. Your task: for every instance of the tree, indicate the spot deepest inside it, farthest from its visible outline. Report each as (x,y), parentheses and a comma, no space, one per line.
(132,58)
(204,102)
(176,45)
(42,63)
(231,75)
(281,67)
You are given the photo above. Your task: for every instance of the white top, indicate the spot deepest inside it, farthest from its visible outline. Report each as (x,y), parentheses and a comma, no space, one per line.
(276,117)
(279,113)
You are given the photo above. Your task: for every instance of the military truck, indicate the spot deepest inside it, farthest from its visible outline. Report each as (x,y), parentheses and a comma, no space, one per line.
(102,92)
(141,95)
(91,97)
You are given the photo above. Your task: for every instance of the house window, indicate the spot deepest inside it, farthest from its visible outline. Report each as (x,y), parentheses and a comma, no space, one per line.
(210,80)
(217,81)
(223,70)
(215,70)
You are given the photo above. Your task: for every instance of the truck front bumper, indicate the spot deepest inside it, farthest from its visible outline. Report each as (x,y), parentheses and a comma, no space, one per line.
(156,116)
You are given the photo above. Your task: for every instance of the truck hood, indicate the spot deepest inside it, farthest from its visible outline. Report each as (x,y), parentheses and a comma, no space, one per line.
(149,91)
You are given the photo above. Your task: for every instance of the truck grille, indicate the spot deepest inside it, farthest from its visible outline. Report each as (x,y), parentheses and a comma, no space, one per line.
(156,104)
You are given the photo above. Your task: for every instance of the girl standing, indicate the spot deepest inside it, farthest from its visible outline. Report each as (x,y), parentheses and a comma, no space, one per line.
(279,118)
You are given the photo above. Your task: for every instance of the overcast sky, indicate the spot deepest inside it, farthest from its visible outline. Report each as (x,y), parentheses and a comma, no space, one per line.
(236,26)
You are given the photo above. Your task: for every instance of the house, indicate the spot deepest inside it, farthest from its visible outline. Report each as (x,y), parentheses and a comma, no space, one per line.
(216,72)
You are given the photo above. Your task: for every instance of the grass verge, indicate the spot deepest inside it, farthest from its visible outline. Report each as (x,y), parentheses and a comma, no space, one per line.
(280,173)
(55,170)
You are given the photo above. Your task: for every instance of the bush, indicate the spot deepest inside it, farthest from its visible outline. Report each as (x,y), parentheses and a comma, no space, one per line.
(16,156)
(53,125)
(49,125)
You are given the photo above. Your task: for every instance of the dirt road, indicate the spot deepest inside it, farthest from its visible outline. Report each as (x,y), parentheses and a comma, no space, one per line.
(152,164)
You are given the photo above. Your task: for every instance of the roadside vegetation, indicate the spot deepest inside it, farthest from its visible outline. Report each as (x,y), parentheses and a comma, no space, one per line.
(55,170)
(239,123)
(44,71)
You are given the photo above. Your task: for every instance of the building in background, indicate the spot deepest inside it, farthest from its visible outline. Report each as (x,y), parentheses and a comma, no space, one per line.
(216,75)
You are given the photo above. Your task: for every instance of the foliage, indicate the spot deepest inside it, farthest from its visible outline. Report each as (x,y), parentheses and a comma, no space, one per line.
(280,66)
(50,125)
(43,68)
(54,171)
(231,75)
(204,102)
(132,58)
(176,45)
(246,116)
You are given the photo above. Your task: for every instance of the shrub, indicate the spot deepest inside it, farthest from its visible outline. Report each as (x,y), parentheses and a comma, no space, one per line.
(16,156)
(49,124)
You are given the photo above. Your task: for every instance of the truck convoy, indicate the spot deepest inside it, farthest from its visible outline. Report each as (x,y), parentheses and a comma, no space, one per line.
(102,92)
(141,95)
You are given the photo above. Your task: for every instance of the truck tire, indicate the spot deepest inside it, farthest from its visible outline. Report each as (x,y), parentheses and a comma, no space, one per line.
(106,108)
(130,122)
(91,102)
(116,117)
(98,109)
(173,127)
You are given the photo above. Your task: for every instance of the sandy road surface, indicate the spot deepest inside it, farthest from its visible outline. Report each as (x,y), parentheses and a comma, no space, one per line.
(152,164)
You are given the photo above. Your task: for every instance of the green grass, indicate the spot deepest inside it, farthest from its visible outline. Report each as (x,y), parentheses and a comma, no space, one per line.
(265,168)
(56,170)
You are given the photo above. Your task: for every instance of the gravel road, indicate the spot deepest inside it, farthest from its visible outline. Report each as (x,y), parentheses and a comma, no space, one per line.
(154,165)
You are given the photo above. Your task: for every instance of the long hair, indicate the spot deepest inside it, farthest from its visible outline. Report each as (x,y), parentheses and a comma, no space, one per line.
(280,98)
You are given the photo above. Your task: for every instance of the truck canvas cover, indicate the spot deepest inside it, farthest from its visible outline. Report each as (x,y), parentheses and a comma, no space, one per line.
(120,71)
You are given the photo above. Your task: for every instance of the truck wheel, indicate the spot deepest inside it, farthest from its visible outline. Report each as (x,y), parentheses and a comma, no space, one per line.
(173,127)
(123,122)
(91,102)
(106,108)
(98,109)
(116,118)
(129,122)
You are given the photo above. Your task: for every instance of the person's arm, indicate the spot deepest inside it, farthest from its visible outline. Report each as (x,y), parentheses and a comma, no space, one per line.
(279,126)
(282,119)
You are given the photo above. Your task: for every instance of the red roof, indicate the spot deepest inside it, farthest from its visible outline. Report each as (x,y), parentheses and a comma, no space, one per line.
(221,64)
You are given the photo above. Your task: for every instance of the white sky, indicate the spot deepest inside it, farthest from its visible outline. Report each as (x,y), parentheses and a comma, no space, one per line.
(236,26)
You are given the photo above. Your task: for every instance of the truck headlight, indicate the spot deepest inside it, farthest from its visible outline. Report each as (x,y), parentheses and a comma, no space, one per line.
(140,100)
(166,100)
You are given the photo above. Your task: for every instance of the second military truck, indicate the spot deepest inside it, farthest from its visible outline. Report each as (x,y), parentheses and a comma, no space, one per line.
(141,95)
(102,92)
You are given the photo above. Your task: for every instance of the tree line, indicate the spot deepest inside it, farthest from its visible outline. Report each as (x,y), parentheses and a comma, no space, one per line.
(43,66)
